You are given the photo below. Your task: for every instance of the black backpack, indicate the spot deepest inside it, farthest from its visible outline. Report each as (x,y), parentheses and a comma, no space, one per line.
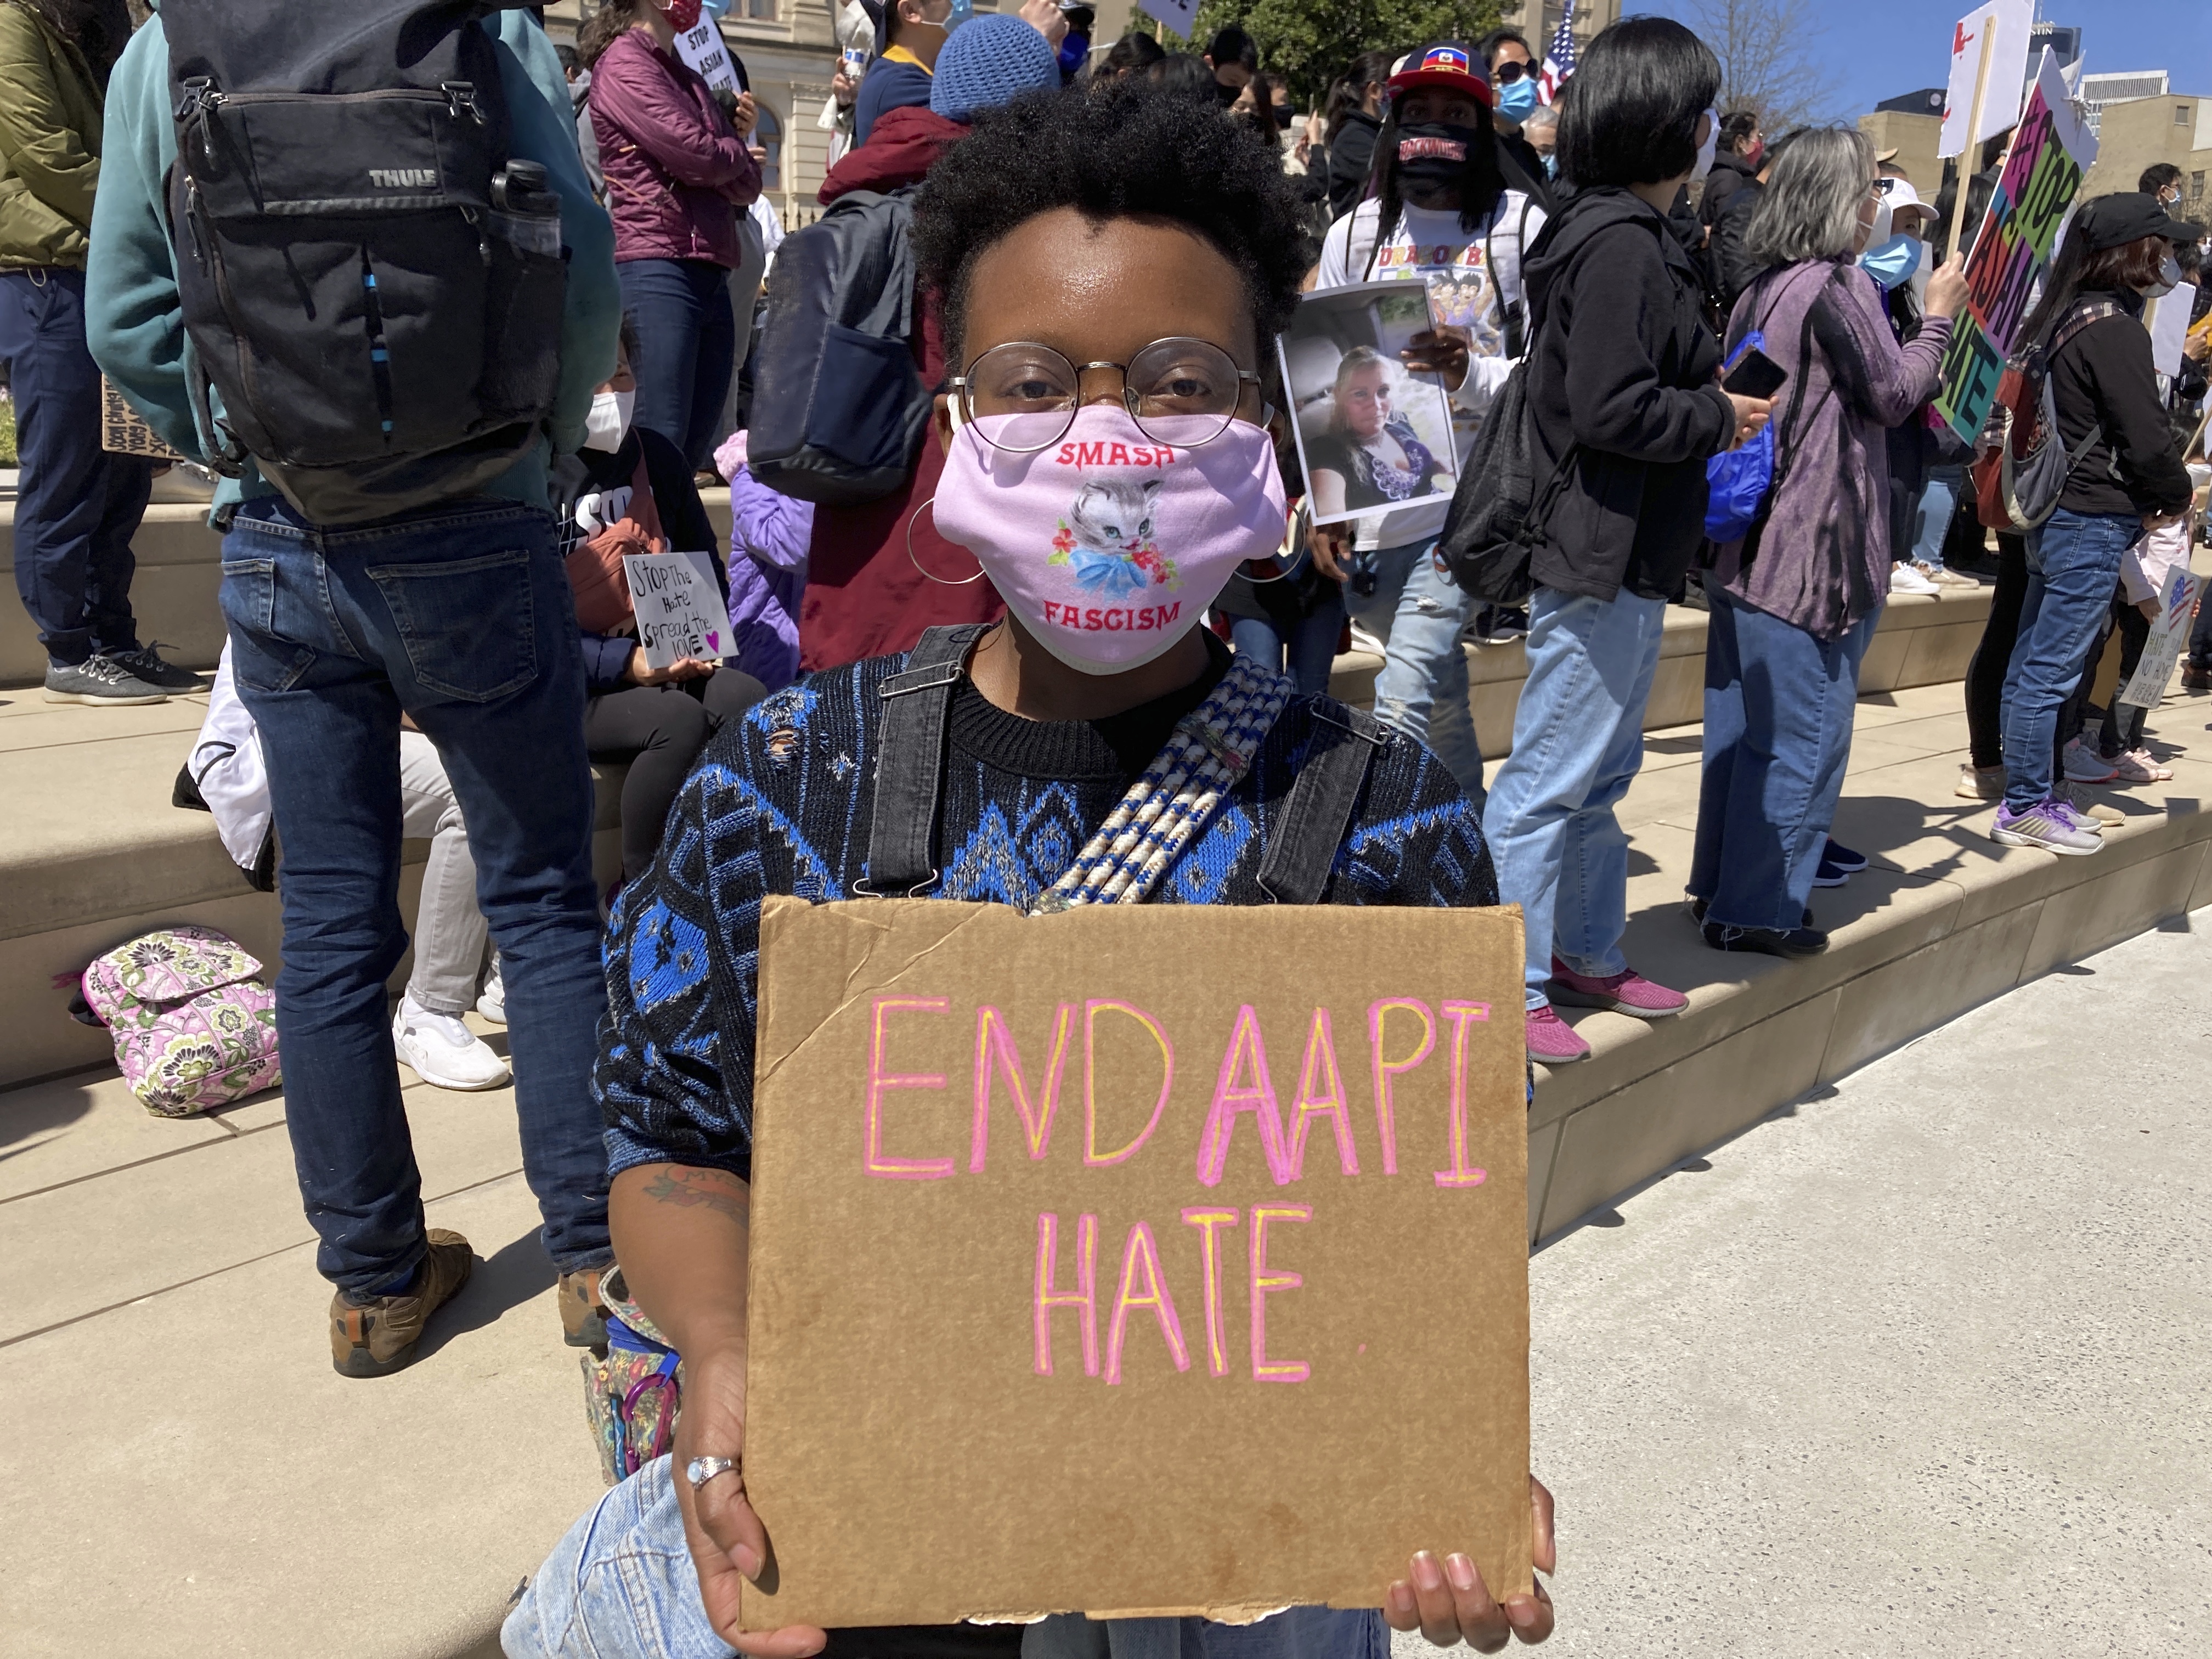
(839,409)
(371,285)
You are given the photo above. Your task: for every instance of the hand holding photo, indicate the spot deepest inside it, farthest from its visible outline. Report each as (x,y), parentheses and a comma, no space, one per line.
(1373,432)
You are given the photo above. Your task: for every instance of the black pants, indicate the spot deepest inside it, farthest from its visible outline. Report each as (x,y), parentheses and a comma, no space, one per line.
(660,730)
(1986,674)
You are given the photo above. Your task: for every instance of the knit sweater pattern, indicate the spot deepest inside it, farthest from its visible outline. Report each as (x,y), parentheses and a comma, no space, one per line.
(781,802)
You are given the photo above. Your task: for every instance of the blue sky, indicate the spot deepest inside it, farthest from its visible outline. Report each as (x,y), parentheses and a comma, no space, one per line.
(1876,48)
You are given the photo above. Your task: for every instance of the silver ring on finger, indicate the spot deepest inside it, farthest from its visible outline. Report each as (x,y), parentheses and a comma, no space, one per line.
(700,1470)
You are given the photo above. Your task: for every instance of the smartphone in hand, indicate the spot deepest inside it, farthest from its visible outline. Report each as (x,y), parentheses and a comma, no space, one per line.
(1755,375)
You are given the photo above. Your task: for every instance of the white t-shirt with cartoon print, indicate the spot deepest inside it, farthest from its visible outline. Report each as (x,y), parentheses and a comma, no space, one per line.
(1473,278)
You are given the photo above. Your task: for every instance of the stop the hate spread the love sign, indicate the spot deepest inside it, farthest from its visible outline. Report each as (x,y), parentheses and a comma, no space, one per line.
(1164,1258)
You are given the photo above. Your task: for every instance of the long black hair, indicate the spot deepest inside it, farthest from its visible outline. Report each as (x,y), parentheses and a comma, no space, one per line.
(2077,271)
(1481,177)
(1370,69)
(98,29)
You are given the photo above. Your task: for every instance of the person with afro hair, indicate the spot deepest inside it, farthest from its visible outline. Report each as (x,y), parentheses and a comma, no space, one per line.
(1160,246)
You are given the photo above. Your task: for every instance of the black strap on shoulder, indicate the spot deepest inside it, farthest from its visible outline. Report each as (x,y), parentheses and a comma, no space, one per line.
(910,764)
(1301,851)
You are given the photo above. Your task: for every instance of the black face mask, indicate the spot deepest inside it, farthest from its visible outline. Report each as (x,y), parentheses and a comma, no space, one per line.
(1434,152)
(1227,93)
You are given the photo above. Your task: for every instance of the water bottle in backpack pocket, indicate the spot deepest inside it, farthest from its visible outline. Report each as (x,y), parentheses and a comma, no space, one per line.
(1738,480)
(371,285)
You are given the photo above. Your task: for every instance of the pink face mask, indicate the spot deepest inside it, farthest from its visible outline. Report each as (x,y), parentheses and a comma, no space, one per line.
(1110,544)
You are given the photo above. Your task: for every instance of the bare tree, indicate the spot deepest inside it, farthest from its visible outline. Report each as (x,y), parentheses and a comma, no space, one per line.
(1772,57)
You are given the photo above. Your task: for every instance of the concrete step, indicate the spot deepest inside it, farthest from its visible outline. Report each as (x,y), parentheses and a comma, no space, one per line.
(232,1496)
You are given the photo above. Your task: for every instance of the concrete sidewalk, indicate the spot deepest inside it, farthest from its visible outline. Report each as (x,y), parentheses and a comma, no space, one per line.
(1919,1364)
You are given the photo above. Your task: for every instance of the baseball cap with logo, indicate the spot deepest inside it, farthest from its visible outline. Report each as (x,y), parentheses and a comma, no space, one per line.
(1452,65)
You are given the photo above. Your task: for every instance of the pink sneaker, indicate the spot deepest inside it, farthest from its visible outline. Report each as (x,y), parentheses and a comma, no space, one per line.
(2136,766)
(1627,992)
(1551,1039)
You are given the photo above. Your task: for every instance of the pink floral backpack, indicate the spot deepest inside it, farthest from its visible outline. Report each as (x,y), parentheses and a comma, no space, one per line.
(195,1029)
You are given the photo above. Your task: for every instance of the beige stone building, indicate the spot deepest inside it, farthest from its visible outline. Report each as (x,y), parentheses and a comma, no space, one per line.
(1916,139)
(2133,134)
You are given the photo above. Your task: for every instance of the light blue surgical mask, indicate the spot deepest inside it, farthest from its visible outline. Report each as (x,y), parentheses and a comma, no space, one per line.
(1516,99)
(1893,261)
(1550,164)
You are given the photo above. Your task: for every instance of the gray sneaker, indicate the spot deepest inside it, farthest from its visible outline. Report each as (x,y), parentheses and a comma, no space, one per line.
(146,664)
(2049,824)
(98,680)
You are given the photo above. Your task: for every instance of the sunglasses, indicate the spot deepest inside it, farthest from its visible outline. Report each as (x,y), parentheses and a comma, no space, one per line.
(1506,74)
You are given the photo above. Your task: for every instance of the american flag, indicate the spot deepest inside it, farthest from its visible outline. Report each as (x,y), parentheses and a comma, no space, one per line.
(1559,61)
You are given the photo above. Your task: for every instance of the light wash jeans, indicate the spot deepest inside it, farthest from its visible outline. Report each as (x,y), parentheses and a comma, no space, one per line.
(1939,500)
(621,1585)
(1577,744)
(1417,611)
(450,932)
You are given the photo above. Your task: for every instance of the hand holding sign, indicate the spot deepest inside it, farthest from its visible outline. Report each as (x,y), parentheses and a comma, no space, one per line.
(680,611)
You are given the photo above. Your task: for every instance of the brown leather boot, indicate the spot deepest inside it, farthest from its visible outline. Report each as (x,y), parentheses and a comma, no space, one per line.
(376,1335)
(584,1309)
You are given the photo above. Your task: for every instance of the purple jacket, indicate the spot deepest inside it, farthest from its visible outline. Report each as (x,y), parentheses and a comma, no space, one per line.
(770,533)
(677,171)
(1821,560)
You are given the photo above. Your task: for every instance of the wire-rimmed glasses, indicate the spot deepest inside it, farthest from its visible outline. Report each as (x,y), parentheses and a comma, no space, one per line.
(1180,392)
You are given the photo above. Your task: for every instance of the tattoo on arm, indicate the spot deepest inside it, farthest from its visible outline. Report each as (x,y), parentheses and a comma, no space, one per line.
(717,1190)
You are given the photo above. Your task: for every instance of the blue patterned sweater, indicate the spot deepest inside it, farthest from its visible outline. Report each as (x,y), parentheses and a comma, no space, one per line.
(781,802)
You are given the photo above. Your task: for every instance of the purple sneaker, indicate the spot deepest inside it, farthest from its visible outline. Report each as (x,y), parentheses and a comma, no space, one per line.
(1627,992)
(2050,824)
(1551,1039)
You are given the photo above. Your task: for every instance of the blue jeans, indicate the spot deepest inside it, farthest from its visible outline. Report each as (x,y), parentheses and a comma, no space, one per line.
(1417,611)
(1311,643)
(1938,501)
(620,1585)
(2073,566)
(1780,703)
(1578,743)
(687,344)
(76,507)
(463,619)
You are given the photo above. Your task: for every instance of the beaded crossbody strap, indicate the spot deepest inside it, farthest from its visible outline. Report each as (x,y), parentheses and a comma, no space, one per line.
(1168,807)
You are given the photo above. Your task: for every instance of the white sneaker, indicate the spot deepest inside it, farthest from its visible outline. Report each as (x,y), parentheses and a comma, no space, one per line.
(1363,640)
(443,1051)
(1904,578)
(492,1003)
(1946,578)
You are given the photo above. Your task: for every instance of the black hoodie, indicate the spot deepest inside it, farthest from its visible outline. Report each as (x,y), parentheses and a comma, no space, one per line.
(1621,373)
(1350,158)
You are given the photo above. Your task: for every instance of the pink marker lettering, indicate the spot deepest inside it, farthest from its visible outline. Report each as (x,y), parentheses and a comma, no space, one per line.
(1084,1297)
(1247,1053)
(1462,1015)
(1321,1056)
(1387,1071)
(994,1044)
(1142,1254)
(1209,1224)
(1265,1370)
(1091,1010)
(878,1162)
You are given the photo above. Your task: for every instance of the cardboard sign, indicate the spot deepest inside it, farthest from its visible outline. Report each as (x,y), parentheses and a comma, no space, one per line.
(2043,169)
(702,47)
(1146,1259)
(2154,668)
(679,606)
(1989,63)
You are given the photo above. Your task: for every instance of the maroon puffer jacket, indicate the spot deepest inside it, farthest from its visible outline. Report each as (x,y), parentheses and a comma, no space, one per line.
(677,171)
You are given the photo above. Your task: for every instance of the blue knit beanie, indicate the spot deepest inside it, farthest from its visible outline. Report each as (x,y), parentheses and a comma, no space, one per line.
(989,60)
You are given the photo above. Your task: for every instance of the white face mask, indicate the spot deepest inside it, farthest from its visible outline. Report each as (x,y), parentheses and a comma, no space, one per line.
(1709,148)
(608,423)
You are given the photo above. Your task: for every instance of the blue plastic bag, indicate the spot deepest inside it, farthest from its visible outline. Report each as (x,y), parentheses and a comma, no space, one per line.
(1738,479)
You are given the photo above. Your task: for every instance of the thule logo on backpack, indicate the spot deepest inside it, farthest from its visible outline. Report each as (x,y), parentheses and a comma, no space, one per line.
(402,177)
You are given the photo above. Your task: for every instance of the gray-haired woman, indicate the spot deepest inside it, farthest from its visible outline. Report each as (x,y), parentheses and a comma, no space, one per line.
(1795,602)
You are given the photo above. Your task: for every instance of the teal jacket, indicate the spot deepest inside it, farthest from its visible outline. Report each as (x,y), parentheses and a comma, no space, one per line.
(135,324)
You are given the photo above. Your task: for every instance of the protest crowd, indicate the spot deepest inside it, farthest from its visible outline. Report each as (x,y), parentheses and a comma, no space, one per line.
(1041,556)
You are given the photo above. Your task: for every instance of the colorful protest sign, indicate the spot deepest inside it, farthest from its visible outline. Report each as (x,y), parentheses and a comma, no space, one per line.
(702,47)
(1989,66)
(679,607)
(2154,668)
(1138,1259)
(2050,153)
